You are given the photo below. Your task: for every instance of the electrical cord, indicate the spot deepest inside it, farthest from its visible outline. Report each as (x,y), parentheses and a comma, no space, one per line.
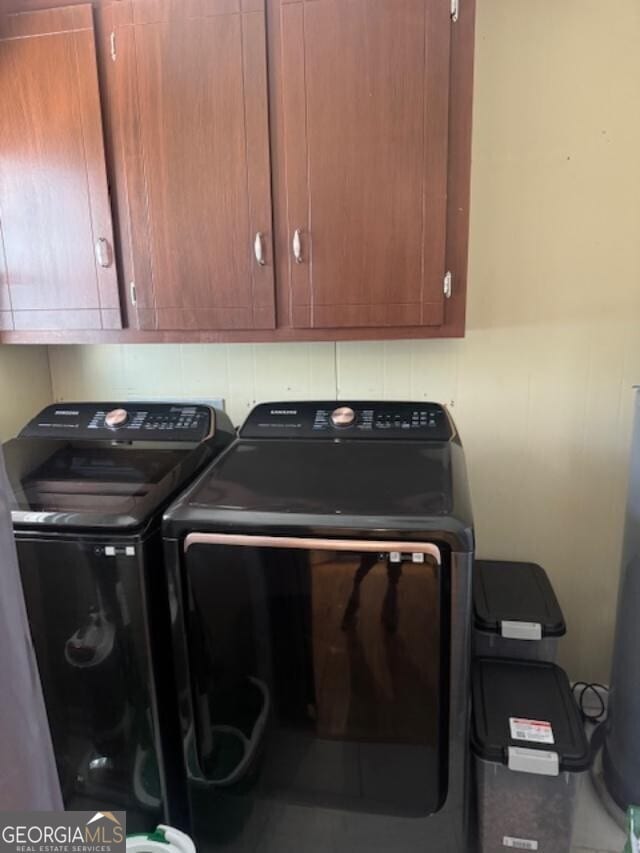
(583,689)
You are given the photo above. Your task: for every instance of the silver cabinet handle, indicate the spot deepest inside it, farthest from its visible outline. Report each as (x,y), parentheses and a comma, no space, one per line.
(103,252)
(258,249)
(296,245)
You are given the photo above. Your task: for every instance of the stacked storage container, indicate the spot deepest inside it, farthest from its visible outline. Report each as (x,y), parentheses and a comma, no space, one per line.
(516,612)
(529,745)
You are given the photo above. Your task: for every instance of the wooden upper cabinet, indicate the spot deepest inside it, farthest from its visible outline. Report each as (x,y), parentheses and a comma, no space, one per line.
(195,139)
(365,108)
(57,265)
(355,113)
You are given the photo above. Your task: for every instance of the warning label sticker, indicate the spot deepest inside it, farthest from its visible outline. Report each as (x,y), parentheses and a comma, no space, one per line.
(519,843)
(532,731)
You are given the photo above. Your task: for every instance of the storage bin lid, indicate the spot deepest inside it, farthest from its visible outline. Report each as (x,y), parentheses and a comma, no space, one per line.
(526,705)
(515,593)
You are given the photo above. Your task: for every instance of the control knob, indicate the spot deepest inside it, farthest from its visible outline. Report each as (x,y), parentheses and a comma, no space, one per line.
(344,416)
(116,418)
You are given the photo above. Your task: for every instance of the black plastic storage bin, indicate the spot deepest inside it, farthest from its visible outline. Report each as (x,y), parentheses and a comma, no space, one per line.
(516,612)
(530,753)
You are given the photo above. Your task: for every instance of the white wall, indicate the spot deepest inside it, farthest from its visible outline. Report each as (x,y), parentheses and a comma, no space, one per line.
(541,386)
(25,386)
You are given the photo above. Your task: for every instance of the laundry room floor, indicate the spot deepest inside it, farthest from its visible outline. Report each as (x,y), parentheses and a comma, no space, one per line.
(595,831)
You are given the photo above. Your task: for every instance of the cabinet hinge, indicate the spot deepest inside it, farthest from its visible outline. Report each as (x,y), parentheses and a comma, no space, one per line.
(112,43)
(448,285)
(132,293)
(455,10)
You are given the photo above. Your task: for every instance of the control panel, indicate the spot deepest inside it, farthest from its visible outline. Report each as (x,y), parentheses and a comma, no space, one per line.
(371,420)
(122,422)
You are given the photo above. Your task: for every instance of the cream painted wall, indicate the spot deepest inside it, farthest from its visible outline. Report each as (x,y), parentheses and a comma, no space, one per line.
(25,386)
(541,386)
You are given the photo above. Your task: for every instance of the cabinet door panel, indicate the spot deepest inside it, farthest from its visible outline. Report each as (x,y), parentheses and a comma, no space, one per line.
(365,101)
(54,201)
(204,156)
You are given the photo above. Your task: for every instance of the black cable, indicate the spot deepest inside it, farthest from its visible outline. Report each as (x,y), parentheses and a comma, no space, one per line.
(593,688)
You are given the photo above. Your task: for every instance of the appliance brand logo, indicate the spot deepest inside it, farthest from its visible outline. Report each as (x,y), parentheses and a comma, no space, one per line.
(69,413)
(284,411)
(64,832)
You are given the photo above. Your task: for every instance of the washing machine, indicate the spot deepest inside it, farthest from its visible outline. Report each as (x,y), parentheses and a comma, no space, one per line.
(89,483)
(319,574)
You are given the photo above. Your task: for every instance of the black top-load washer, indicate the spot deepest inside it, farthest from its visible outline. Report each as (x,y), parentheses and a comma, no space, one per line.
(89,483)
(320,572)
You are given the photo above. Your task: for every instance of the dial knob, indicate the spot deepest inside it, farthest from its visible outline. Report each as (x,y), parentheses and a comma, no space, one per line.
(343,417)
(116,418)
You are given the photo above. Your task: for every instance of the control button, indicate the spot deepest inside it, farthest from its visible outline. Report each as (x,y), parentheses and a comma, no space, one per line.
(343,416)
(116,418)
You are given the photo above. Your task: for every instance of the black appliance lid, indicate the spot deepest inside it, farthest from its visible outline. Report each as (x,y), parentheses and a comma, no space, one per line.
(334,478)
(517,697)
(82,484)
(416,488)
(70,469)
(515,592)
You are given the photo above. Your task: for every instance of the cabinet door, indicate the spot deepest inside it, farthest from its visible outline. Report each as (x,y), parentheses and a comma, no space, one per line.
(365,87)
(198,163)
(58,269)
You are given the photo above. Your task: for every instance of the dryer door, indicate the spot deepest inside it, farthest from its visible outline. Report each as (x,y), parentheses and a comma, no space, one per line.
(318,673)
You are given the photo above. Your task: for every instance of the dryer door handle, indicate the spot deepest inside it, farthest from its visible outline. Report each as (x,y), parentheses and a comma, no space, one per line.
(368,545)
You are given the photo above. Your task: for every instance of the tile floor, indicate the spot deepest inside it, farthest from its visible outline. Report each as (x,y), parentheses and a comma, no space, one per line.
(595,831)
